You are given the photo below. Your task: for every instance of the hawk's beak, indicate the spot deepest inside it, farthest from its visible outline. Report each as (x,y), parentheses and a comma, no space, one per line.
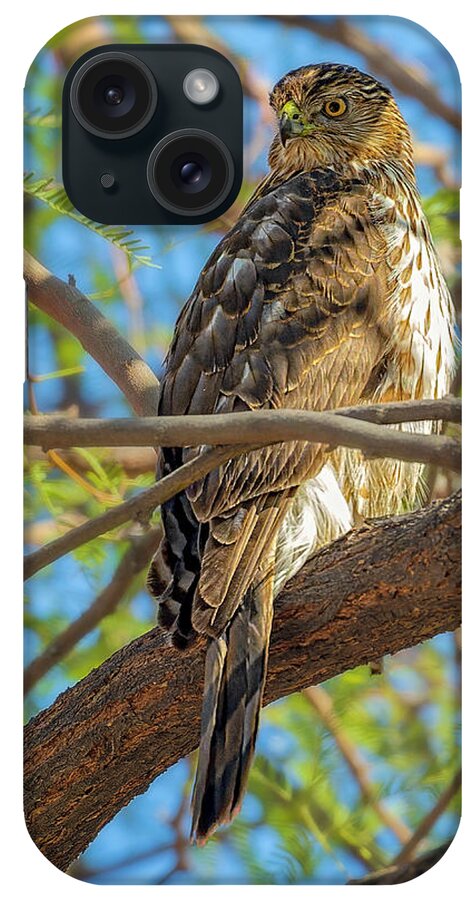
(292,122)
(289,128)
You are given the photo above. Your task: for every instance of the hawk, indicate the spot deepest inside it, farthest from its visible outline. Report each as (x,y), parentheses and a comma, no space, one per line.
(327,292)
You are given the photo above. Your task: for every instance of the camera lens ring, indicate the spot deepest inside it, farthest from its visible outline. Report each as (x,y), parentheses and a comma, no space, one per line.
(140,73)
(176,138)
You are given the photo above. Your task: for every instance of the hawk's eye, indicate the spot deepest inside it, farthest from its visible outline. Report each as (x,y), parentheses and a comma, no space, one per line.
(335,107)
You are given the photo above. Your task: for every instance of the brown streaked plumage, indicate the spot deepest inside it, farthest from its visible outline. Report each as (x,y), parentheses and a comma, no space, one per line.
(327,292)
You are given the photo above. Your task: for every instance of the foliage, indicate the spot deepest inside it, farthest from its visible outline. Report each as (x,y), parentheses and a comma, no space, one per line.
(56,198)
(311,814)
(442,211)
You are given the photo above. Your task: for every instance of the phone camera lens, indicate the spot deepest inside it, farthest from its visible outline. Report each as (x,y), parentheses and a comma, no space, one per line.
(113,95)
(190,172)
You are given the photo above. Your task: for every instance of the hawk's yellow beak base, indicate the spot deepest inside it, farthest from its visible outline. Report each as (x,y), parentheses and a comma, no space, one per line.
(292,122)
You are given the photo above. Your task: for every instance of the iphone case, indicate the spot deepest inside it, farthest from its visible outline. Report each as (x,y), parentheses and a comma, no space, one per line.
(356,775)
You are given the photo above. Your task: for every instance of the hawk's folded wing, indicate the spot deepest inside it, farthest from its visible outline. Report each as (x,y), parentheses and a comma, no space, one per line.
(285,314)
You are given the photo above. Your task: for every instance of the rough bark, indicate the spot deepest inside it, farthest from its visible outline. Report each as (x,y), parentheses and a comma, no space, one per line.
(385,587)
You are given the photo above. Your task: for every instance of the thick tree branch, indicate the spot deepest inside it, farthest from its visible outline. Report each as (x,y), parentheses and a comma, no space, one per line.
(381,61)
(68,306)
(388,586)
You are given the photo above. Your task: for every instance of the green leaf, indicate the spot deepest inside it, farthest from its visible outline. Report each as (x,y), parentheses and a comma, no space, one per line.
(48,191)
(442,212)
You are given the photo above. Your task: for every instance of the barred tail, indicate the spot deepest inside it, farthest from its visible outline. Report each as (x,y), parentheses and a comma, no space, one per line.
(235,673)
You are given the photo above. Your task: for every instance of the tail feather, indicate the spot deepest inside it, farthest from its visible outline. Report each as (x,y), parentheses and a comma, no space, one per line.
(214,666)
(259,632)
(235,673)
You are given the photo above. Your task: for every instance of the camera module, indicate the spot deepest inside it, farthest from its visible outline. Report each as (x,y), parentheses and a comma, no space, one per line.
(190,172)
(113,95)
(152,134)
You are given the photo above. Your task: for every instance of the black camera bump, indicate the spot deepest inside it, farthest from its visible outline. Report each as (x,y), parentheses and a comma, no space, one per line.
(141,145)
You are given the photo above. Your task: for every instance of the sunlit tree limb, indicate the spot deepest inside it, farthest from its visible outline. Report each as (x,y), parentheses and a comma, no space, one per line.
(388,586)
(98,336)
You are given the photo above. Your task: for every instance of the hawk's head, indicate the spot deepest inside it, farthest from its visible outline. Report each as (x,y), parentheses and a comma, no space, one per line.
(334,115)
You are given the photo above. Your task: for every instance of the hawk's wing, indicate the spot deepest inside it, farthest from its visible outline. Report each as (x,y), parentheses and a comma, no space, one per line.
(285,314)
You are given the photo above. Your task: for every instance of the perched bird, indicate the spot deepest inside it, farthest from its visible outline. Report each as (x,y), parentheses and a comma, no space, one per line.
(327,292)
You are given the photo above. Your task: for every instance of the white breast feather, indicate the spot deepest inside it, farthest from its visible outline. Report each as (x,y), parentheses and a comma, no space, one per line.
(318,515)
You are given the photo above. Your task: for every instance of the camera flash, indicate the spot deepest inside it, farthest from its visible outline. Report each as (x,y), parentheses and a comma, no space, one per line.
(201,86)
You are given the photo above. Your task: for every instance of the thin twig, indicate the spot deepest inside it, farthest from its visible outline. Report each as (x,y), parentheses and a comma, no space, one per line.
(425,826)
(132,562)
(140,507)
(322,704)
(318,821)
(133,461)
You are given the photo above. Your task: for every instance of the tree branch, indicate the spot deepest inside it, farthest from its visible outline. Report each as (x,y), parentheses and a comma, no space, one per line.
(322,703)
(258,428)
(407,872)
(380,59)
(133,561)
(139,507)
(269,425)
(425,826)
(388,586)
(68,306)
